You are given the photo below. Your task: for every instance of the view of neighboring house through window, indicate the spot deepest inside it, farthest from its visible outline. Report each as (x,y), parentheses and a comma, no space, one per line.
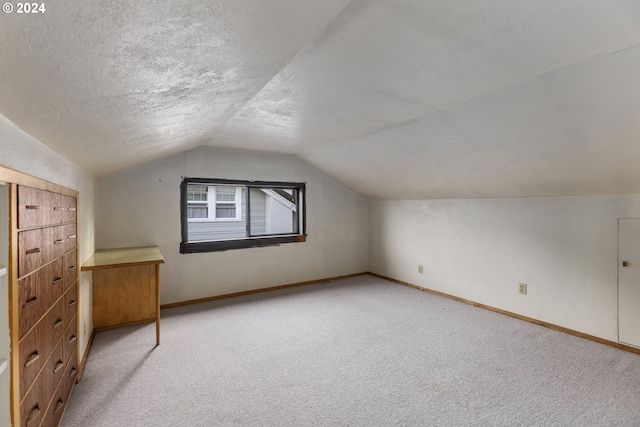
(225,214)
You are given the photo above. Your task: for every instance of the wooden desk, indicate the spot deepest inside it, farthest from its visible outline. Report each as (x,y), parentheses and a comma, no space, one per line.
(126,287)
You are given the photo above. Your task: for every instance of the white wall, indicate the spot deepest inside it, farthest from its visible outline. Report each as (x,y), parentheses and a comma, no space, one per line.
(140,206)
(564,248)
(21,152)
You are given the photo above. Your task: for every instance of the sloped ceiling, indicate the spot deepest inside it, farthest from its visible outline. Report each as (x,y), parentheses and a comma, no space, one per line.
(405,99)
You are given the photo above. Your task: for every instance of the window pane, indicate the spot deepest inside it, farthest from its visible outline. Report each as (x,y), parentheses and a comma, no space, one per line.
(197,193)
(273,211)
(197,211)
(225,194)
(225,210)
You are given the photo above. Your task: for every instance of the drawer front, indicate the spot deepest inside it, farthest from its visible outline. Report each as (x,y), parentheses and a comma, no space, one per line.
(31,300)
(70,304)
(51,328)
(51,283)
(70,339)
(56,408)
(32,209)
(70,238)
(32,251)
(58,206)
(71,205)
(32,408)
(55,240)
(31,359)
(52,373)
(70,268)
(70,375)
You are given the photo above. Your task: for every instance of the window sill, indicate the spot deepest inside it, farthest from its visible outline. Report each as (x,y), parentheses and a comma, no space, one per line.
(224,245)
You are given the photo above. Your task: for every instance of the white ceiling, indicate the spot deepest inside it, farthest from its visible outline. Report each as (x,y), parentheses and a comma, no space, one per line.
(404,99)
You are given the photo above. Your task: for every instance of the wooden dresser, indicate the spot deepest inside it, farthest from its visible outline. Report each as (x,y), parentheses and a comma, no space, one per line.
(43,304)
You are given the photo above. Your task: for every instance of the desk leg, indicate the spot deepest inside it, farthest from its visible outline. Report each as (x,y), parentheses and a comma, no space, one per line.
(157,304)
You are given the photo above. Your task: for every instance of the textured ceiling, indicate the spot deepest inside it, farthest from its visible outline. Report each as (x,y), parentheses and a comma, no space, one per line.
(396,99)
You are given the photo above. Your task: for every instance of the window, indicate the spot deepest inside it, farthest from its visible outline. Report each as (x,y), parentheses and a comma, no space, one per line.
(220,214)
(223,205)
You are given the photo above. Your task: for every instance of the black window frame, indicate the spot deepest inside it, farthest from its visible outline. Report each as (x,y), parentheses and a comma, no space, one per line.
(187,247)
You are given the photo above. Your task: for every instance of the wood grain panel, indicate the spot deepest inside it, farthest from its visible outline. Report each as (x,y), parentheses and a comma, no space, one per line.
(71,209)
(56,408)
(70,238)
(56,239)
(31,360)
(58,209)
(52,373)
(50,329)
(70,375)
(31,299)
(33,408)
(31,207)
(31,251)
(70,304)
(123,295)
(52,283)
(70,340)
(70,268)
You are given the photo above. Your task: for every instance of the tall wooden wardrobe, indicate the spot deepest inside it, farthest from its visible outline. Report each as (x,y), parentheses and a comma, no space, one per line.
(43,299)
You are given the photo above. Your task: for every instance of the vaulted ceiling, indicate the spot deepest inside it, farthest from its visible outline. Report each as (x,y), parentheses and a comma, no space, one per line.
(404,99)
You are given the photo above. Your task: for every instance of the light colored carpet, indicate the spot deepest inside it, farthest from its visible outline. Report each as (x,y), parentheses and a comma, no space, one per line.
(360,352)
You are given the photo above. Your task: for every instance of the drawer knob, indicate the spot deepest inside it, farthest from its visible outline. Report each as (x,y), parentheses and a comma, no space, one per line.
(58,208)
(56,280)
(30,302)
(73,267)
(59,366)
(72,373)
(32,359)
(33,251)
(32,207)
(72,339)
(71,236)
(71,209)
(72,303)
(59,406)
(58,242)
(57,324)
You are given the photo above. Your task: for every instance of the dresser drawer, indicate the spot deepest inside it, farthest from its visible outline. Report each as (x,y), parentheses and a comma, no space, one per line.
(31,251)
(70,204)
(70,237)
(70,375)
(32,209)
(31,359)
(70,339)
(52,373)
(55,241)
(51,328)
(51,282)
(31,300)
(70,304)
(70,269)
(56,408)
(33,407)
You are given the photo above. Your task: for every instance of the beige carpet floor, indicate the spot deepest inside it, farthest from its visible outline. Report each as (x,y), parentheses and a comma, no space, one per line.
(356,352)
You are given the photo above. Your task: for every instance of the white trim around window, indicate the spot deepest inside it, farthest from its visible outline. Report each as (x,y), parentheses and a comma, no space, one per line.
(211,202)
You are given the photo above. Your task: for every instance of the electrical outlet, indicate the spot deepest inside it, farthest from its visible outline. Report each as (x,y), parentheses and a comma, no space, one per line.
(522,288)
(420,269)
